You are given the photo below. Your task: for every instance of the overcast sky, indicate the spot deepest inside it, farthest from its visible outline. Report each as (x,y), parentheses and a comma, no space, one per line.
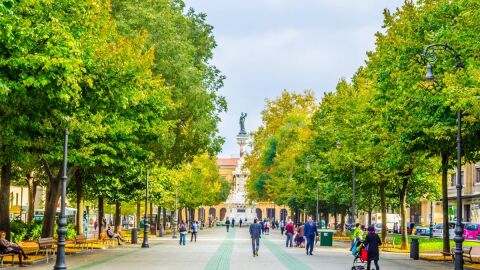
(266,46)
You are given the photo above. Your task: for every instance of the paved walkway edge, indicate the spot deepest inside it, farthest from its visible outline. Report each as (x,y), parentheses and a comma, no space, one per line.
(221,258)
(288,260)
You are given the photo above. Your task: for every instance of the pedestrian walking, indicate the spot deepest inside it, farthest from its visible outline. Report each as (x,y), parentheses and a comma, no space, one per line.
(240,222)
(357,236)
(261,225)
(233,222)
(290,230)
(282,226)
(194,231)
(372,242)
(267,227)
(310,230)
(183,232)
(255,234)
(227,223)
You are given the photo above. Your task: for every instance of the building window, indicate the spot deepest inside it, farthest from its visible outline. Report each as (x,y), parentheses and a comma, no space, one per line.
(477,175)
(453,179)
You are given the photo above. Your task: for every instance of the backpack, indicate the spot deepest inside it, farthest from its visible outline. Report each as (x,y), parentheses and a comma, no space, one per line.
(183,228)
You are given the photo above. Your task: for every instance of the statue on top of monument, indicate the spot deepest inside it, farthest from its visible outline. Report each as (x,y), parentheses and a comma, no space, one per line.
(242,123)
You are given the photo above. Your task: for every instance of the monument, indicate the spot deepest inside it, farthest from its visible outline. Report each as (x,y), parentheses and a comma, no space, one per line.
(237,205)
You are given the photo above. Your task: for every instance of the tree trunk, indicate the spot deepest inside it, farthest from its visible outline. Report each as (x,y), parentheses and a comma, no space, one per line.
(32,192)
(186,216)
(137,225)
(403,211)
(159,213)
(446,236)
(79,187)
(51,199)
(335,218)
(118,215)
(100,217)
(164,221)
(151,211)
(179,217)
(5,198)
(326,220)
(343,214)
(370,216)
(383,208)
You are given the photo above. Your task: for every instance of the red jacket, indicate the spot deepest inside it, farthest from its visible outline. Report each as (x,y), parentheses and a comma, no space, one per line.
(289,228)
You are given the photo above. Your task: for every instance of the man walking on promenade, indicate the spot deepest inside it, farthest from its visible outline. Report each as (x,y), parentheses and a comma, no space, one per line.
(255,234)
(240,222)
(311,232)
(233,223)
(290,230)
(227,223)
(194,231)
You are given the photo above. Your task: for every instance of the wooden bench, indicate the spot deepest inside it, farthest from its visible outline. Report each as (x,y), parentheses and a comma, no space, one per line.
(389,242)
(47,245)
(450,255)
(3,255)
(108,240)
(466,253)
(81,241)
(126,239)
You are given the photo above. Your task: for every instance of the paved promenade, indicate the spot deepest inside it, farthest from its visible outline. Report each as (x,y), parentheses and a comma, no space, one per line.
(215,249)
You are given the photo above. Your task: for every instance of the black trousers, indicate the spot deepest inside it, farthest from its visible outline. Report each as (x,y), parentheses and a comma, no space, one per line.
(375,261)
(194,234)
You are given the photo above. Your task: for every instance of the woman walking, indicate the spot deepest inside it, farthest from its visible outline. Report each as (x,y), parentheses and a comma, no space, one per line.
(183,233)
(372,242)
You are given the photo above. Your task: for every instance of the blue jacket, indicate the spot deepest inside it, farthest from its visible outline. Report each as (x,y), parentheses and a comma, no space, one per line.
(310,230)
(255,230)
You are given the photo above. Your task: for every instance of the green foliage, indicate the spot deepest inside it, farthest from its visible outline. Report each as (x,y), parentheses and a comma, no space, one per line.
(18,230)
(71,232)
(21,231)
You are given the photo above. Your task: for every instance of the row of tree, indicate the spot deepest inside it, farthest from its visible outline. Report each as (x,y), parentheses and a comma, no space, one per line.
(387,128)
(130,80)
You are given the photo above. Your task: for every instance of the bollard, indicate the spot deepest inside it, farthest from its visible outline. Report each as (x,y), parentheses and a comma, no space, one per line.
(414,249)
(134,236)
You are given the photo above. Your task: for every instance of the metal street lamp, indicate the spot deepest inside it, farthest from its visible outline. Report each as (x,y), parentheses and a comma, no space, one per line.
(62,222)
(175,217)
(145,223)
(429,56)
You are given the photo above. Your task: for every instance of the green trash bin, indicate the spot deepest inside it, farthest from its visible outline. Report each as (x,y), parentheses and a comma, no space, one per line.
(326,238)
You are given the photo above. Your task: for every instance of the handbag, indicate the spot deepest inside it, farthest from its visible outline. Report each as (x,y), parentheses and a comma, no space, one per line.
(364,255)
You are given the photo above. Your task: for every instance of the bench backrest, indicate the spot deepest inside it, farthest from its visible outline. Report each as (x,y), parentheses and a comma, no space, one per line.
(80,237)
(46,242)
(388,239)
(467,249)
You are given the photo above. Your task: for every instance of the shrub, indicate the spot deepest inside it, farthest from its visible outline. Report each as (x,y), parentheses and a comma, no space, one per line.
(18,231)
(71,231)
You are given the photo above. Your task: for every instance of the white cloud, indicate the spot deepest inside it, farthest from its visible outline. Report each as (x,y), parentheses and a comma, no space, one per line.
(265,46)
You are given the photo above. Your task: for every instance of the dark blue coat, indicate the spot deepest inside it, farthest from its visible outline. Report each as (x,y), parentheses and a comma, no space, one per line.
(255,230)
(310,230)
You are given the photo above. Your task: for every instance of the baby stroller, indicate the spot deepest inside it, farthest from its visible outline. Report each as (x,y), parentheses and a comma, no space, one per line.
(360,256)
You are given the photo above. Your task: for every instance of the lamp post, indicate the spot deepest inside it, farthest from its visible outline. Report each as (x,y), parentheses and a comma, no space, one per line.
(175,217)
(429,56)
(62,223)
(145,223)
